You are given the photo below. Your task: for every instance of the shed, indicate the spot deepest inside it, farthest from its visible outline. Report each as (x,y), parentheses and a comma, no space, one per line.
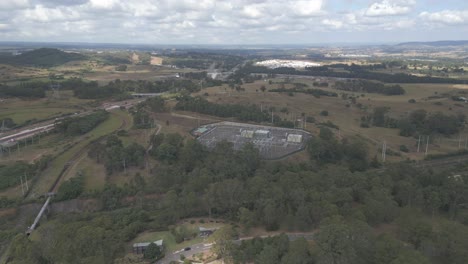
(139,248)
(294,138)
(204,232)
(199,131)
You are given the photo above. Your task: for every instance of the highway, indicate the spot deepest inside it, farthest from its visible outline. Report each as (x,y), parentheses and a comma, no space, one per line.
(46,126)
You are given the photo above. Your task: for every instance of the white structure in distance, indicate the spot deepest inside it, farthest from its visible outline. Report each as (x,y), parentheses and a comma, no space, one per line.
(273,64)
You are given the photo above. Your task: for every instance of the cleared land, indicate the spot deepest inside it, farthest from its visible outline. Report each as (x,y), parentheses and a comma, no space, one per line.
(347,115)
(156,60)
(47,178)
(22,111)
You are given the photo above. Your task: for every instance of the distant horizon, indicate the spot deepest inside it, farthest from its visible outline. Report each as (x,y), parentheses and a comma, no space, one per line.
(226,44)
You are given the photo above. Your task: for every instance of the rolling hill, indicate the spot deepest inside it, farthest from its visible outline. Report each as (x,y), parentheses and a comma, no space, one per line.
(44,57)
(441,43)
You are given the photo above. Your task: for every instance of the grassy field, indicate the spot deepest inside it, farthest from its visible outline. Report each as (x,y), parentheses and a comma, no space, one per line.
(346,115)
(23,110)
(11,74)
(47,178)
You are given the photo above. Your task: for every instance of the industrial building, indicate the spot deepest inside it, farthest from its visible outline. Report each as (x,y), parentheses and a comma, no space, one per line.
(272,142)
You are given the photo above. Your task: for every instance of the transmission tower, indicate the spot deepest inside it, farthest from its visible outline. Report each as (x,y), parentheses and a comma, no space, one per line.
(55,90)
(3,128)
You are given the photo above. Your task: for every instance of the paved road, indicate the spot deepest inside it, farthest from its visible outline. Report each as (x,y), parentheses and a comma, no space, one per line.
(203,247)
(175,256)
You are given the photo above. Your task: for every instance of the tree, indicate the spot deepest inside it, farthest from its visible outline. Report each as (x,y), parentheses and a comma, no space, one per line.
(246,218)
(223,242)
(379,116)
(263,88)
(324,151)
(334,242)
(386,249)
(298,253)
(268,255)
(409,256)
(325,133)
(122,67)
(152,252)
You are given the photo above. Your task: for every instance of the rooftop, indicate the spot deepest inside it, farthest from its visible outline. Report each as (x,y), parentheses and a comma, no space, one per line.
(145,244)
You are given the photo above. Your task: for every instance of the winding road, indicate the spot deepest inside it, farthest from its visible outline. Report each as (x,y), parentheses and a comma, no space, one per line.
(204,247)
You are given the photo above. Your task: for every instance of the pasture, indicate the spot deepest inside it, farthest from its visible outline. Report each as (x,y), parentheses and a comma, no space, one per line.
(347,115)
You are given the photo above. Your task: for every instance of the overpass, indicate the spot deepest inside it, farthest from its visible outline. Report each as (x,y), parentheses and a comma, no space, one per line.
(140,95)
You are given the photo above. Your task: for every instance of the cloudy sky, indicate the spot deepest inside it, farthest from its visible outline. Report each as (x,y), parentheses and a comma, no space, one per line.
(233,21)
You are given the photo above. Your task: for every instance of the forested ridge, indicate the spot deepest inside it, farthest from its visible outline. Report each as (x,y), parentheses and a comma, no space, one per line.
(425,209)
(356,72)
(44,57)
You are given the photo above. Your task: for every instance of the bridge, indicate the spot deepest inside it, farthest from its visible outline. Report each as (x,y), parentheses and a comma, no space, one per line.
(44,209)
(139,95)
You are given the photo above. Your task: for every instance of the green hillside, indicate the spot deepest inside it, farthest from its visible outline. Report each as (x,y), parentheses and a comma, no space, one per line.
(45,57)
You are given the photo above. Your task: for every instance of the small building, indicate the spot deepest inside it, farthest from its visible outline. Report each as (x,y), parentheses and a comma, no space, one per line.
(199,131)
(139,248)
(204,232)
(294,138)
(262,133)
(247,133)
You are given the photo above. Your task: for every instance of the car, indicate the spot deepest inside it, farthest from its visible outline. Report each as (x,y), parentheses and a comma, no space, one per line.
(187,248)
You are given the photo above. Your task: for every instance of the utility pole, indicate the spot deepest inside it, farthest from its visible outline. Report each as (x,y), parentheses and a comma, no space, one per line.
(466,141)
(459,141)
(272,117)
(22,188)
(26,180)
(419,142)
(384,150)
(427,145)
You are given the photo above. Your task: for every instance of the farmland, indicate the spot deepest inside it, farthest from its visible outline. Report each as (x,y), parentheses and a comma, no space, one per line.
(257,154)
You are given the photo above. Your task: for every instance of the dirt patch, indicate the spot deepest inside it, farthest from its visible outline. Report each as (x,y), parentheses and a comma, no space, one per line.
(135,58)
(7,212)
(156,60)
(461,86)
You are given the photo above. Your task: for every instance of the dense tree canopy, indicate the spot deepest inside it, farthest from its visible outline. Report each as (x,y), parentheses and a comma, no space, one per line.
(74,126)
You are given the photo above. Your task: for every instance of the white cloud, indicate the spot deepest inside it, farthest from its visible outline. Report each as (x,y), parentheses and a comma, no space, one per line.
(390,8)
(307,8)
(13,4)
(446,16)
(44,14)
(228,21)
(104,4)
(253,11)
(336,24)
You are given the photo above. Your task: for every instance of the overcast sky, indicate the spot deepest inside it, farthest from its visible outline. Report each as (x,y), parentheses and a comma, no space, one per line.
(233,21)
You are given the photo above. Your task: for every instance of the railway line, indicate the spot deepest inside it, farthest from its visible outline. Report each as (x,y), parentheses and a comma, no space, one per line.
(66,168)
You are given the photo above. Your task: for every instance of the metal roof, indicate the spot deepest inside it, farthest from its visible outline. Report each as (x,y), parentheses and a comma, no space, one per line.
(201,229)
(261,131)
(145,244)
(294,138)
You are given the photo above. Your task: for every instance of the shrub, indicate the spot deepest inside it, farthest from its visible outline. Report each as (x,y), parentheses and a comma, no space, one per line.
(404,148)
(324,113)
